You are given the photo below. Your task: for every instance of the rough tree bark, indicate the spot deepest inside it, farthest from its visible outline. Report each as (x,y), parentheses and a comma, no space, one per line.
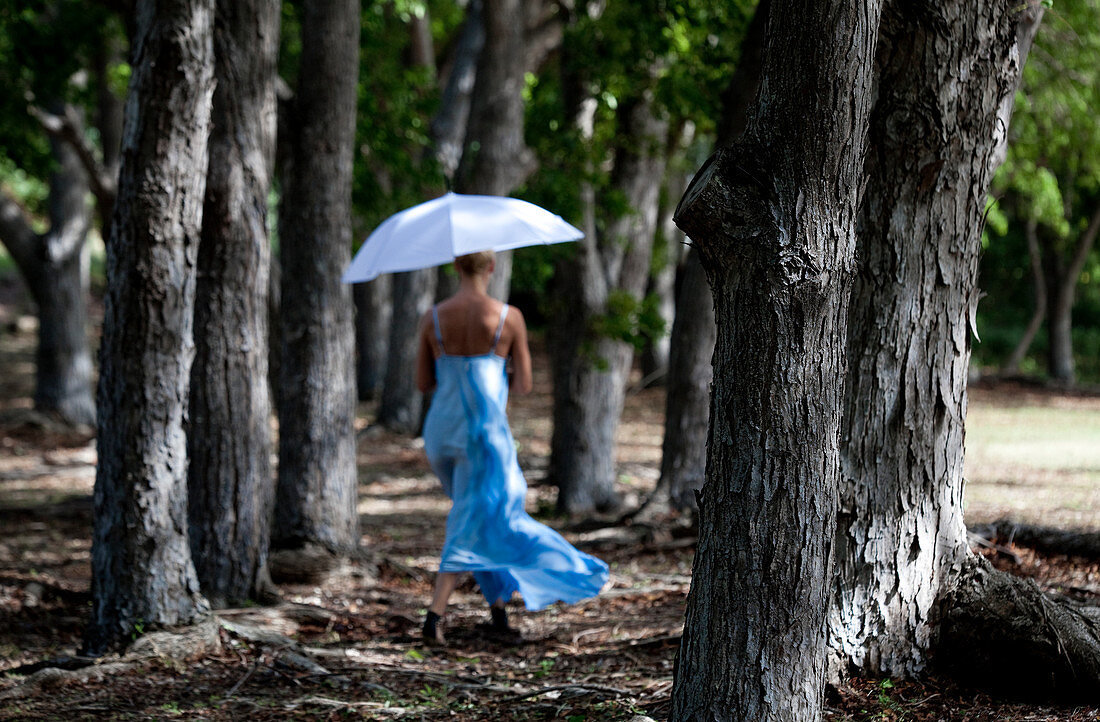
(591,367)
(495,160)
(774,218)
(230,484)
(315,507)
(905,580)
(141,563)
(54,266)
(687,405)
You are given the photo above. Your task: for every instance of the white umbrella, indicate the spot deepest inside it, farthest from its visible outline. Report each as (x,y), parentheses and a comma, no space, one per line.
(433,233)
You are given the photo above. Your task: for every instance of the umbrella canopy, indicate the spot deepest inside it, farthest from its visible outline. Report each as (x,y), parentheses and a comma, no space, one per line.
(433,233)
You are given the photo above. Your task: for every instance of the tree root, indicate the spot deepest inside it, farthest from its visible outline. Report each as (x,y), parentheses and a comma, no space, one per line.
(1043,539)
(180,645)
(1002,633)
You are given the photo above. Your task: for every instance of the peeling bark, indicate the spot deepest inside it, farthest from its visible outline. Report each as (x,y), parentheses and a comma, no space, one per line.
(944,73)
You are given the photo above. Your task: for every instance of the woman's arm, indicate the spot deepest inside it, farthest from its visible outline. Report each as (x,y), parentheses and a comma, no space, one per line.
(521,355)
(425,356)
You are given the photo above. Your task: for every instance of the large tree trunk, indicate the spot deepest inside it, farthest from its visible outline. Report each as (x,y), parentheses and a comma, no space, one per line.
(230,482)
(591,366)
(142,575)
(316,493)
(944,74)
(774,218)
(495,160)
(687,405)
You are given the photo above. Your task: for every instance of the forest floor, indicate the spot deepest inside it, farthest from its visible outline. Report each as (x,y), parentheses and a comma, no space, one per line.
(349,648)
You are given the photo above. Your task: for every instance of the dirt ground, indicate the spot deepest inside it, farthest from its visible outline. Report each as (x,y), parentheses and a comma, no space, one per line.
(348,649)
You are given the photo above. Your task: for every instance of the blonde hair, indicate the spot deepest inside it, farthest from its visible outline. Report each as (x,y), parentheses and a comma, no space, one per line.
(474,263)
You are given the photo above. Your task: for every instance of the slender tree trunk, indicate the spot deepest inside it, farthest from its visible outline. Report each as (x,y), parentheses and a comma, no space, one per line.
(109,112)
(684,451)
(774,218)
(449,124)
(142,574)
(414,292)
(667,254)
(230,483)
(316,494)
(687,405)
(1039,288)
(495,160)
(402,404)
(373,312)
(590,367)
(944,74)
(1062,290)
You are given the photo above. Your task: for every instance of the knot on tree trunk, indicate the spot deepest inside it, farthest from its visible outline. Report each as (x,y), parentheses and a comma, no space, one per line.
(729,209)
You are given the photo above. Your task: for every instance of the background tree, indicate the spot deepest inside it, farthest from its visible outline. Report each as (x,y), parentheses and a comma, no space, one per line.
(57,59)
(413,292)
(1045,225)
(613,108)
(141,563)
(230,483)
(315,508)
(687,404)
(495,159)
(774,218)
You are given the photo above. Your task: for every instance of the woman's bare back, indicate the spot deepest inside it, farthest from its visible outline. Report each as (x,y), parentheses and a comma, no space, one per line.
(468,323)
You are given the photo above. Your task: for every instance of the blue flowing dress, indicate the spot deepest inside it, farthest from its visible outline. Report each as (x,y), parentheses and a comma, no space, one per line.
(470,448)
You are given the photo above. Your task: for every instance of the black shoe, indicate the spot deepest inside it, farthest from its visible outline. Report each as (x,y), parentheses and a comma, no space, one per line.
(498,630)
(433,635)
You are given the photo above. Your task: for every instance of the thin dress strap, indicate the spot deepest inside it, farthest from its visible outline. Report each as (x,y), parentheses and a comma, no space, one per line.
(435,325)
(500,327)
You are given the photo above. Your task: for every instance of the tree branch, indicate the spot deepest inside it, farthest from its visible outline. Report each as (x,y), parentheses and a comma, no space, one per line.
(1081,252)
(69,128)
(20,239)
(543,37)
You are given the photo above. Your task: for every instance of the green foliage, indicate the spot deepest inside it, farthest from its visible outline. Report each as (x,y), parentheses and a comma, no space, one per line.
(46,47)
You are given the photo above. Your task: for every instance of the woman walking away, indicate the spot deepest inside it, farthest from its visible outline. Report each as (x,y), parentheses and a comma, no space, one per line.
(465,343)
